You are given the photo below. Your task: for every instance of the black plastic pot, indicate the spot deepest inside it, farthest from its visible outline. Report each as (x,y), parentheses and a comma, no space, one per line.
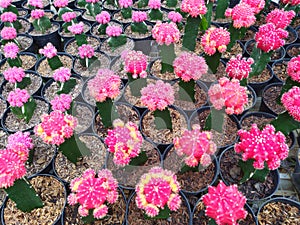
(295,34)
(3,62)
(296,173)
(92,40)
(277,77)
(30,47)
(292,50)
(117,52)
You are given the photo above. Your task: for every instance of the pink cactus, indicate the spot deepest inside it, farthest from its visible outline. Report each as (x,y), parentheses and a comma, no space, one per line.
(157,189)
(280,18)
(157,96)
(20,143)
(92,1)
(238,67)
(291,2)
(257,5)
(225,204)
(242,15)
(18,97)
(263,146)
(135,62)
(61,102)
(229,94)
(103,17)
(68,16)
(165,33)
(86,51)
(193,7)
(8,17)
(14,74)
(139,16)
(5,3)
(11,50)
(94,192)
(104,85)
(62,74)
(291,101)
(197,146)
(293,68)
(215,39)
(60,3)
(76,28)
(125,3)
(55,127)
(270,38)
(154,4)
(8,33)
(189,66)
(49,51)
(11,168)
(37,14)
(175,17)
(125,141)
(36,3)
(114,31)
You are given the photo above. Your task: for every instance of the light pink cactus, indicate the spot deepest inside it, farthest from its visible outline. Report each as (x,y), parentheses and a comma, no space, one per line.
(86,51)
(135,62)
(5,3)
(114,31)
(257,5)
(225,204)
(269,37)
(215,39)
(293,68)
(291,101)
(263,146)
(291,2)
(280,18)
(49,51)
(94,192)
(175,17)
(60,3)
(8,17)
(68,16)
(92,1)
(14,74)
(196,146)
(193,7)
(11,168)
(61,102)
(62,74)
(157,96)
(76,28)
(18,97)
(11,50)
(139,16)
(106,84)
(189,66)
(154,4)
(8,33)
(165,33)
(55,127)
(242,15)
(238,67)
(36,3)
(37,14)
(124,141)
(229,94)
(103,17)
(125,3)
(157,189)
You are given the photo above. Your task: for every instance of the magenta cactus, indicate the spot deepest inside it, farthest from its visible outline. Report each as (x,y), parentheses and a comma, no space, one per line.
(280,18)
(238,67)
(175,17)
(14,74)
(114,31)
(291,2)
(5,3)
(124,141)
(11,50)
(86,51)
(197,147)
(157,190)
(94,192)
(165,33)
(49,51)
(36,3)
(61,102)
(139,16)
(215,39)
(225,204)
(263,146)
(242,15)
(62,74)
(257,5)
(103,17)
(76,28)
(18,97)
(229,94)
(293,68)
(68,16)
(37,14)
(193,7)
(135,63)
(60,3)
(290,100)
(9,17)
(8,33)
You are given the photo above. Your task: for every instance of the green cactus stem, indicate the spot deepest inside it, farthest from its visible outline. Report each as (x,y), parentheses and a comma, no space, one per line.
(108,112)
(163,119)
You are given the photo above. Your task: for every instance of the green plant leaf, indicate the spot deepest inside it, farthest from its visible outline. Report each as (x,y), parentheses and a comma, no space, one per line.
(136,85)
(215,120)
(17,25)
(45,23)
(73,148)
(112,2)
(162,119)
(171,3)
(247,168)
(187,90)
(108,112)
(185,168)
(203,24)
(24,83)
(285,123)
(65,26)
(80,39)
(191,32)
(14,62)
(55,62)
(81,3)
(88,219)
(261,60)
(260,175)
(289,83)
(235,34)
(17,111)
(24,195)
(143,3)
(102,28)
(115,42)
(63,10)
(213,61)
(11,8)
(139,160)
(167,54)
(155,14)
(67,86)
(208,14)
(212,222)
(163,214)
(221,8)
(29,108)
(126,12)
(140,28)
